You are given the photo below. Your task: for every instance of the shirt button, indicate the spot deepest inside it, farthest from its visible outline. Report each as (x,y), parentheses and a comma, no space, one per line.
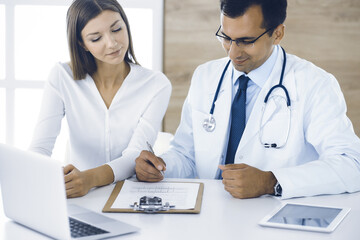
(241,157)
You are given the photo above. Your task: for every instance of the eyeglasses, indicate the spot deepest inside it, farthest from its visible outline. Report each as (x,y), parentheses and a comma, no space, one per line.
(239,42)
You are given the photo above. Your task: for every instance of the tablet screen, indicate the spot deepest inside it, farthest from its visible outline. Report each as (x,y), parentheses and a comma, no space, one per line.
(305,215)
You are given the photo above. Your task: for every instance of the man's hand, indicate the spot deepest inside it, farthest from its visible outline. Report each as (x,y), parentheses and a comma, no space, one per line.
(148,167)
(77,183)
(244,181)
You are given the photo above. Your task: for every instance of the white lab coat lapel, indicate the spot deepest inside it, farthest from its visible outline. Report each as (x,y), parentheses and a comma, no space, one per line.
(223,109)
(253,125)
(222,115)
(208,166)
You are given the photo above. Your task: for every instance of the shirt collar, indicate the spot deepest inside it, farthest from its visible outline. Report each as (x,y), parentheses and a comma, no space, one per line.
(262,73)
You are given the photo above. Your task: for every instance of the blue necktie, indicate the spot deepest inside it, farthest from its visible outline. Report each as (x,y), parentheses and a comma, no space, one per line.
(238,119)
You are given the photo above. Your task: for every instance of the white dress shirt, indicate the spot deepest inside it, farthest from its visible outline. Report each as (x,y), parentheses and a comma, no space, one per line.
(100,135)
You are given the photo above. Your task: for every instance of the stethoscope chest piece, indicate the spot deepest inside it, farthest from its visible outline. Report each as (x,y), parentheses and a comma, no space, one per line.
(209,123)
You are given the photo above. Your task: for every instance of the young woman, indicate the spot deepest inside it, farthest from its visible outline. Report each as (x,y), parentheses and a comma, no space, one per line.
(113,106)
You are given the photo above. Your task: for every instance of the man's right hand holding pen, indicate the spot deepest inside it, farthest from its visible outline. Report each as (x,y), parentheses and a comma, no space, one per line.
(149,167)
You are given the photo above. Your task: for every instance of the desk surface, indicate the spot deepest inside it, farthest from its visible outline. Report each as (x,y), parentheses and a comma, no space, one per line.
(221,217)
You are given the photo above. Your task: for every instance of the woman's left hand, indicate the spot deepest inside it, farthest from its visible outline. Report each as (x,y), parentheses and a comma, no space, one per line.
(77,183)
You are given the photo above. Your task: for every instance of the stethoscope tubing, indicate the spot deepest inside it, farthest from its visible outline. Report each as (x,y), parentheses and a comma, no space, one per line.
(210,123)
(280,85)
(218,88)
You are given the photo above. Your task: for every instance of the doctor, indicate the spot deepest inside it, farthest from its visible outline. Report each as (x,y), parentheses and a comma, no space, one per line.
(297,140)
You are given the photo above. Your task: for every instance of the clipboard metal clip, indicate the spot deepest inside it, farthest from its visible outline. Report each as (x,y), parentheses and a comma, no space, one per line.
(151,205)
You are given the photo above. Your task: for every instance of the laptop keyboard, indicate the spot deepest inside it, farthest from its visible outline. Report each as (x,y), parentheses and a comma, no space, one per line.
(81,229)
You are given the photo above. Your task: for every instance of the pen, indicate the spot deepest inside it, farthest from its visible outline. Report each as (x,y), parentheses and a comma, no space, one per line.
(152,151)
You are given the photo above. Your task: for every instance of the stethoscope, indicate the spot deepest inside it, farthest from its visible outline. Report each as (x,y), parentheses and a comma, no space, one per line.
(209,123)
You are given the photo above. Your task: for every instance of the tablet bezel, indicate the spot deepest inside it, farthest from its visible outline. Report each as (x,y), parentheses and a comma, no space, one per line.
(340,216)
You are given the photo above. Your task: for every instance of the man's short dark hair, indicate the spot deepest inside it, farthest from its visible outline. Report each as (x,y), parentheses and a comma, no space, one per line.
(274,11)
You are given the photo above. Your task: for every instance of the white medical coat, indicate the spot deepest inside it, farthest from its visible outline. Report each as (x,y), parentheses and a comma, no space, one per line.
(322,153)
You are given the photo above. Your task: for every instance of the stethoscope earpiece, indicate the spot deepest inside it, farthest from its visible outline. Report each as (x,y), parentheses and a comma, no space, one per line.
(268,145)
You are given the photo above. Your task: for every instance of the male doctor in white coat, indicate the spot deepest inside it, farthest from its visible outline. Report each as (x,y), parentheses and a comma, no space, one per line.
(304,149)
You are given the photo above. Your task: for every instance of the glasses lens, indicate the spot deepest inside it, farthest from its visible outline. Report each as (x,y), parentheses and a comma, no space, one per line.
(242,44)
(223,40)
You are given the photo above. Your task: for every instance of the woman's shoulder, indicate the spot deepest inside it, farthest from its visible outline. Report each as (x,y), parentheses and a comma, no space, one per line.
(61,69)
(60,75)
(146,74)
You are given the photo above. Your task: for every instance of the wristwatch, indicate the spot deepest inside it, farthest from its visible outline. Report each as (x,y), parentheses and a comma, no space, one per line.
(277,189)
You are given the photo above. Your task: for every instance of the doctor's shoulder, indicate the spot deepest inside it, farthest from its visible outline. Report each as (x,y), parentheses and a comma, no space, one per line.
(209,72)
(308,74)
(212,65)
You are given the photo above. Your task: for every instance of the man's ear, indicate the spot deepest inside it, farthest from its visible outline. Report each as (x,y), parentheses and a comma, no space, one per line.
(279,33)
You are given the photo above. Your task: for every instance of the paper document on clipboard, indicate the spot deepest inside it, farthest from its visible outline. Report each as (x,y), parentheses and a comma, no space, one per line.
(181,194)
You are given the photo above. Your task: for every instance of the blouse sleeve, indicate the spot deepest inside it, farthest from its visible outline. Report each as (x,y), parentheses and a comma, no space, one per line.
(146,130)
(49,121)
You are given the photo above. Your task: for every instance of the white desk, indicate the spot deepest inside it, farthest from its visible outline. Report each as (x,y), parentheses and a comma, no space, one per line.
(222,217)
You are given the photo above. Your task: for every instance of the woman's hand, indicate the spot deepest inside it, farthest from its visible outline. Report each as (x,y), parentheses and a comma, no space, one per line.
(78,183)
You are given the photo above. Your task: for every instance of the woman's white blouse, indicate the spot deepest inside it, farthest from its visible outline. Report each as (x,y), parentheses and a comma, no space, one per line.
(98,135)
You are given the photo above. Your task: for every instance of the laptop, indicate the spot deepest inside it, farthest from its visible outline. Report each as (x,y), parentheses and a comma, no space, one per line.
(33,193)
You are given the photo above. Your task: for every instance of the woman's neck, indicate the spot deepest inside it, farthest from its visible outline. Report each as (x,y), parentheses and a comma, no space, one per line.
(109,76)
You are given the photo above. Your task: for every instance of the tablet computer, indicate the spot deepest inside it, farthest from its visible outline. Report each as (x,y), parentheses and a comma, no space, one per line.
(305,217)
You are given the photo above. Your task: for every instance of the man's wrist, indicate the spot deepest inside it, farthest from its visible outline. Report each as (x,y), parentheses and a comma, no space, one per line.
(271,183)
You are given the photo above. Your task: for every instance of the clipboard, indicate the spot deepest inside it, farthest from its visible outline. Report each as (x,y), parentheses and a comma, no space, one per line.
(108,206)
